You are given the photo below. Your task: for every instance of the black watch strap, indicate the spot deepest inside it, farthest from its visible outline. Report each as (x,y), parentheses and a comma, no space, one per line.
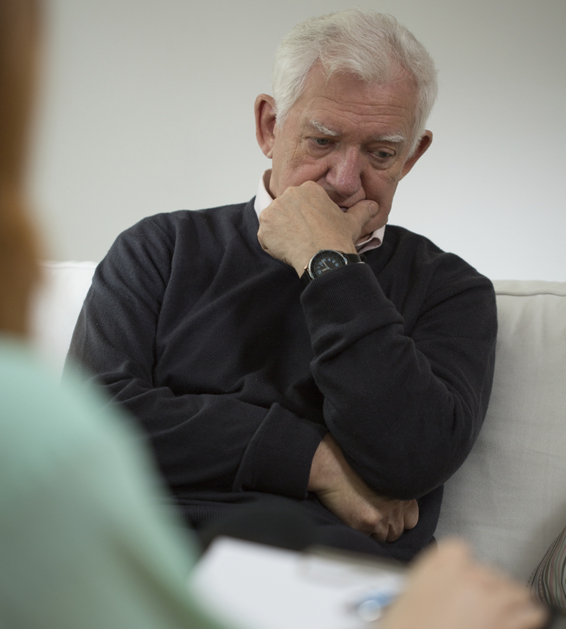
(327,260)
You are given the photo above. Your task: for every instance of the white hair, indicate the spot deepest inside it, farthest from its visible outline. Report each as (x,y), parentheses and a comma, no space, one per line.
(370,45)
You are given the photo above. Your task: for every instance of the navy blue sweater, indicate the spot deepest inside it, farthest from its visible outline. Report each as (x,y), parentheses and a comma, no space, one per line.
(236,372)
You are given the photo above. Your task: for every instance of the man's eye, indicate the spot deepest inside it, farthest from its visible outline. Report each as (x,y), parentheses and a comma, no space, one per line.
(322,141)
(383,155)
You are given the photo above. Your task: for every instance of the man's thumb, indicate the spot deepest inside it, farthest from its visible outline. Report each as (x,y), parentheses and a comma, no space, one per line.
(364,210)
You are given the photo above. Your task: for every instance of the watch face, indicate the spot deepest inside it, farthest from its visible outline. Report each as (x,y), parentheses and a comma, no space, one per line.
(326,260)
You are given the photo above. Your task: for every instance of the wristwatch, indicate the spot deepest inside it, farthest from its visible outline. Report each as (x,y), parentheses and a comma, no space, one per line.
(327,260)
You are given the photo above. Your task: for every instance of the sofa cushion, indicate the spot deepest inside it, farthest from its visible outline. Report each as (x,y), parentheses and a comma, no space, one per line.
(509,497)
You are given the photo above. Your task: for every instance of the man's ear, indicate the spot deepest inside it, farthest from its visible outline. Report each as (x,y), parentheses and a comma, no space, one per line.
(422,147)
(265,120)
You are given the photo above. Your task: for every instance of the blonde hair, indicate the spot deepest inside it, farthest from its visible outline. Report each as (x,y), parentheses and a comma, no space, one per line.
(18,248)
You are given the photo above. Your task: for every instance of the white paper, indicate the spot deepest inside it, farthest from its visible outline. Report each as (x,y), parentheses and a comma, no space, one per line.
(253,586)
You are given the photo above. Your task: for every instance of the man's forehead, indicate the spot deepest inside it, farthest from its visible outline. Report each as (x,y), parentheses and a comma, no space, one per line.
(343,103)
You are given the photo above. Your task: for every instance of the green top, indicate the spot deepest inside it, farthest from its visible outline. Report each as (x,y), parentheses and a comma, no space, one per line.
(82,541)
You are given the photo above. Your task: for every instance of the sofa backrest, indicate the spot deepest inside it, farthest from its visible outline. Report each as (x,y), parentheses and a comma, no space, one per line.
(57,306)
(509,497)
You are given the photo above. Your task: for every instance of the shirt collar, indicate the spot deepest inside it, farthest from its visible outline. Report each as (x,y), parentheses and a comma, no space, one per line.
(263,199)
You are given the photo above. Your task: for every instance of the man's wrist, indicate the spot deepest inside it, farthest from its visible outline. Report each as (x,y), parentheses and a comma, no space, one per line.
(325,465)
(327,260)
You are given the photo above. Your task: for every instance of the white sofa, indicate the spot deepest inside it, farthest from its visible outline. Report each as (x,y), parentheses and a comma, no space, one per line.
(509,498)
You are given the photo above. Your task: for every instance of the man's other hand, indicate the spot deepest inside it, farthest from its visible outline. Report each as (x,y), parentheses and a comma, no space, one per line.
(343,492)
(447,588)
(304,220)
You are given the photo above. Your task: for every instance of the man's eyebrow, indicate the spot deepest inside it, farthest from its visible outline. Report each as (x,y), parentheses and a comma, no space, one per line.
(318,126)
(394,138)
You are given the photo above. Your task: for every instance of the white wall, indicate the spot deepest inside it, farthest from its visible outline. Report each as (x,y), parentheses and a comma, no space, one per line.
(148,107)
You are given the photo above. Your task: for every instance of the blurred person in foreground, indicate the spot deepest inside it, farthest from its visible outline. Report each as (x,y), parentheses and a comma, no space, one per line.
(82,543)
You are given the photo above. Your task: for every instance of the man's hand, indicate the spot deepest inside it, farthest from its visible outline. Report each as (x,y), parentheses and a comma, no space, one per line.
(304,220)
(447,589)
(344,493)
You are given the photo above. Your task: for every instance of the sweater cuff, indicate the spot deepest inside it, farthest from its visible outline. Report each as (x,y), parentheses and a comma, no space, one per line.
(279,456)
(348,296)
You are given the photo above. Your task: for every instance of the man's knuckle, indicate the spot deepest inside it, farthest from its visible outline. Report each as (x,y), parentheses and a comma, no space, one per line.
(373,521)
(368,520)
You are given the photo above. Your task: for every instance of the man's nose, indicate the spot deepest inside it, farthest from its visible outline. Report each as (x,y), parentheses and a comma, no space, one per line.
(345,171)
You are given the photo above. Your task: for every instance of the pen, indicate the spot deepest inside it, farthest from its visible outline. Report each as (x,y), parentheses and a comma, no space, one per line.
(370,608)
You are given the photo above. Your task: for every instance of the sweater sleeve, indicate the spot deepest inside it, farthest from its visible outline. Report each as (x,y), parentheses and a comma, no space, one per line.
(404,400)
(202,441)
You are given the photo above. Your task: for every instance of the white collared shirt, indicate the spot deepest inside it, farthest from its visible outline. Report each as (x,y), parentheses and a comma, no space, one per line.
(263,199)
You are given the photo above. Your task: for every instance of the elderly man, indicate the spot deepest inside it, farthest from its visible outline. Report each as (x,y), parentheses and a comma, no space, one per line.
(293,348)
